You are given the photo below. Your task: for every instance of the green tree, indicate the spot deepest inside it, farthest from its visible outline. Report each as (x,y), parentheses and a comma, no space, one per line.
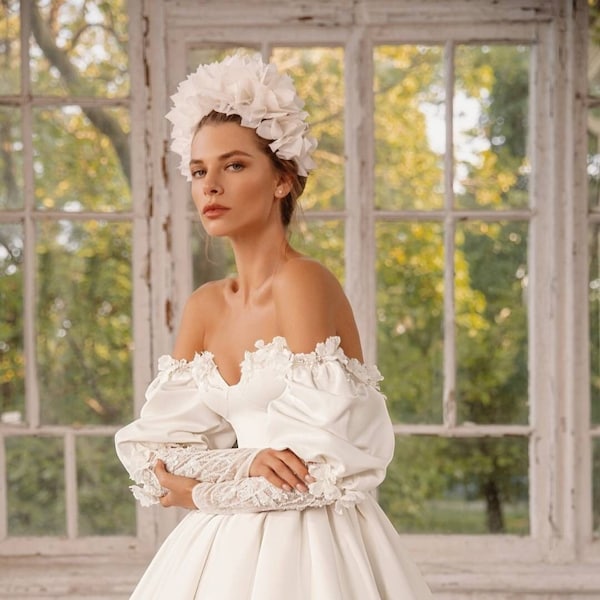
(83,266)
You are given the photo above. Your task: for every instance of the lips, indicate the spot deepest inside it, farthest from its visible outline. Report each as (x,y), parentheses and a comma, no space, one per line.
(214,210)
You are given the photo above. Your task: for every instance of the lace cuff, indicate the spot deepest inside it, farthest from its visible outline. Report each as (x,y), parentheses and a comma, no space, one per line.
(256,494)
(211,466)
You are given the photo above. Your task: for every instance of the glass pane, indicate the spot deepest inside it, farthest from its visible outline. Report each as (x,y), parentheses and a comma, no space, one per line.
(409,127)
(212,257)
(322,240)
(594,308)
(10,48)
(11,159)
(596,485)
(319,77)
(491,126)
(12,361)
(468,486)
(77,166)
(35,486)
(106,505)
(491,322)
(79,48)
(410,289)
(84,331)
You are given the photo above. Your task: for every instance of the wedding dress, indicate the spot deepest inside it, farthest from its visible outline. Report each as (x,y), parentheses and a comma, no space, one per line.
(249,540)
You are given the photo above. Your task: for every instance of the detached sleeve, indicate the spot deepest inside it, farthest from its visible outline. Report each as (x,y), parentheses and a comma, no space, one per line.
(176,426)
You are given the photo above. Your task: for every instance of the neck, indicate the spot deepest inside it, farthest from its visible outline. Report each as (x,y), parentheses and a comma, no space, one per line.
(257,259)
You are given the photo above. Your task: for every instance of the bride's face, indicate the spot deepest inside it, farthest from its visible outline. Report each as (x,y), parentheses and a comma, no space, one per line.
(235,186)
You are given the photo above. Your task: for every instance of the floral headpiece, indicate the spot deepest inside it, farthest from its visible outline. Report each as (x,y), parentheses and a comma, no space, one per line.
(243,85)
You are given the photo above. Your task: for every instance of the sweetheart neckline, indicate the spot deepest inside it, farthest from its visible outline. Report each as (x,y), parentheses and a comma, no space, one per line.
(259,346)
(275,353)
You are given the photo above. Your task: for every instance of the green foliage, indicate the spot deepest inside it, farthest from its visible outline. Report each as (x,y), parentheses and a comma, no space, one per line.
(83,275)
(439,485)
(106,505)
(35,493)
(83,278)
(84,322)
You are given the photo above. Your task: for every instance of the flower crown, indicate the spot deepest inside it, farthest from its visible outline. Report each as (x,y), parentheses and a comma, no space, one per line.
(243,85)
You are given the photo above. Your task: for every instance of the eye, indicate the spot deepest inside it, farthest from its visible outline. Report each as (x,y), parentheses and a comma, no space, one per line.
(197,173)
(235,166)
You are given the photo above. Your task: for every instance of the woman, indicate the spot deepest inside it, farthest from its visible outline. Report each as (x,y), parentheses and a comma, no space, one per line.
(270,358)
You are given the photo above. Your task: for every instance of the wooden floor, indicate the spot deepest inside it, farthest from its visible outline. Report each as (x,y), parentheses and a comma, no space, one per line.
(69,577)
(113,577)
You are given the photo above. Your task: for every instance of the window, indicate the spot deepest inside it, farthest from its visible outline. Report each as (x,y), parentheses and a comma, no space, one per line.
(66,257)
(449,198)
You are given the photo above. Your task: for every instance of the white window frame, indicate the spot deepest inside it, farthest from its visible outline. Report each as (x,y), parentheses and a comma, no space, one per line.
(29,216)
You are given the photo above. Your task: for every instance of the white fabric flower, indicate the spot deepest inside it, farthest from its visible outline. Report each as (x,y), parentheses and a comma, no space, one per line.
(265,99)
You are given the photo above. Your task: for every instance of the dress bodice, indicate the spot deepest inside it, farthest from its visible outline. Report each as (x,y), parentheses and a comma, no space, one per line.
(264,378)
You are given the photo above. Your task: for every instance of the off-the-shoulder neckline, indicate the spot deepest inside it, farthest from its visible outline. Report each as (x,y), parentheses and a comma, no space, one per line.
(260,347)
(328,349)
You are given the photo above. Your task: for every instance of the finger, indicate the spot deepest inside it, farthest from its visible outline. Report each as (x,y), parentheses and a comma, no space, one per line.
(160,470)
(284,472)
(165,478)
(167,500)
(296,464)
(268,466)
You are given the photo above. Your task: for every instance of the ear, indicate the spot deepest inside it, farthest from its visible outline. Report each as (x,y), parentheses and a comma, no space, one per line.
(283,187)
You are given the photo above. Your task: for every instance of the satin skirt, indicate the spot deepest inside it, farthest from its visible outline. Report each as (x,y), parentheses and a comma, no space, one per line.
(315,554)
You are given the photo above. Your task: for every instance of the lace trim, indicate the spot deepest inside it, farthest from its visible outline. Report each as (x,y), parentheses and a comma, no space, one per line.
(213,466)
(256,494)
(225,485)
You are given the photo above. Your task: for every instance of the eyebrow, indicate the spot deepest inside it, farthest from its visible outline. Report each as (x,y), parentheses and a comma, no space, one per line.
(197,161)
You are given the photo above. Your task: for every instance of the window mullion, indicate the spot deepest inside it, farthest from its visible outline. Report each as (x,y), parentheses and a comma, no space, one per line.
(71,503)
(359,231)
(449,397)
(32,400)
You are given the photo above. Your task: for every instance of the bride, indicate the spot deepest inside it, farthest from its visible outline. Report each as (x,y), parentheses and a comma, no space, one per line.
(268,361)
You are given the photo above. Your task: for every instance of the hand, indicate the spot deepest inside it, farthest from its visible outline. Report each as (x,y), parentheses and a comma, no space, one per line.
(281,468)
(179,488)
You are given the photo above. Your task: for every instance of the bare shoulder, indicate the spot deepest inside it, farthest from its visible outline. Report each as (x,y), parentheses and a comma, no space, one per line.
(196,313)
(305,275)
(310,304)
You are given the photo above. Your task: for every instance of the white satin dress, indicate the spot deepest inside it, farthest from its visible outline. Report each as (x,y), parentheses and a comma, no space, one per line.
(249,540)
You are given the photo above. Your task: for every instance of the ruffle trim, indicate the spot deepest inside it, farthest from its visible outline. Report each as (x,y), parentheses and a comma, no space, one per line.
(326,488)
(275,355)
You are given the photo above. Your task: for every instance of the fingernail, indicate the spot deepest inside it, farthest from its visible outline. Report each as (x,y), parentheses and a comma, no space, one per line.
(309,479)
(301,488)
(286,487)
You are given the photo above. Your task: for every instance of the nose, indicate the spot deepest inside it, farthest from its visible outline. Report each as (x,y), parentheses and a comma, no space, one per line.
(211,187)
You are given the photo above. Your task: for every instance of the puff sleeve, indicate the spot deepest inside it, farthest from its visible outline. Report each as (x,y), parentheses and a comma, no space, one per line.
(177,427)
